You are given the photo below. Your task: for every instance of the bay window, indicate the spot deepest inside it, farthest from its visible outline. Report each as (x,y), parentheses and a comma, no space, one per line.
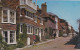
(9,37)
(29,14)
(8,16)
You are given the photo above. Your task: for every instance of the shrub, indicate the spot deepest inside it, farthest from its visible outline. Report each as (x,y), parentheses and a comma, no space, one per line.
(60,34)
(37,38)
(22,38)
(47,37)
(20,44)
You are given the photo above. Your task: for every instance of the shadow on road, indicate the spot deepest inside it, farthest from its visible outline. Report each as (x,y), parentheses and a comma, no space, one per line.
(72,41)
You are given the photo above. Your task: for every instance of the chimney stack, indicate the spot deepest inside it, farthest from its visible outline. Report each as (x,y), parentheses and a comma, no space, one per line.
(44,7)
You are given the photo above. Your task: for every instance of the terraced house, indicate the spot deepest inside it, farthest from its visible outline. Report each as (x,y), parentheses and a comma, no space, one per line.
(51,24)
(8,23)
(13,18)
(26,14)
(20,19)
(55,18)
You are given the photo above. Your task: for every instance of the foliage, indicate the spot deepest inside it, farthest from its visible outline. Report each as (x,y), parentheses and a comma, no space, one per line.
(4,45)
(47,37)
(18,31)
(0,38)
(37,38)
(20,44)
(22,38)
(60,34)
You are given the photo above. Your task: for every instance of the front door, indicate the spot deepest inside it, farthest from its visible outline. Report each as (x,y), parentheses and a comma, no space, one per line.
(28,41)
(40,35)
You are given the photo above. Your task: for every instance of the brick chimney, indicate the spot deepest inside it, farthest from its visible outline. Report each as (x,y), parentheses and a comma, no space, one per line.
(44,7)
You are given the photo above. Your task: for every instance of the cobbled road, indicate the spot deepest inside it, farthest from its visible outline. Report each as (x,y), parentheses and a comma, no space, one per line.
(56,44)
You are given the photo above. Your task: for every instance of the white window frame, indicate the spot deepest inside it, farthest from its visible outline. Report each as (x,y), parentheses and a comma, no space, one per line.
(41,21)
(30,29)
(35,19)
(28,16)
(21,28)
(8,15)
(8,36)
(14,18)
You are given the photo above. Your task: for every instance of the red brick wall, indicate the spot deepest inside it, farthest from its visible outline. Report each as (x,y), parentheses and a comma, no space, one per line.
(8,27)
(51,24)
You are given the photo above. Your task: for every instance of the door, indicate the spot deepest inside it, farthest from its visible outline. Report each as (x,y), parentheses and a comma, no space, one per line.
(28,41)
(40,35)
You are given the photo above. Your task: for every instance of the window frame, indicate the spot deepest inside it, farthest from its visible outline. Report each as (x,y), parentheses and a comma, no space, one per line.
(3,16)
(8,36)
(8,16)
(21,28)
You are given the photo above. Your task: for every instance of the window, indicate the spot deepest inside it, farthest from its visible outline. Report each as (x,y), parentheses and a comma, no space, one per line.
(29,14)
(35,31)
(35,19)
(31,29)
(12,36)
(22,2)
(5,16)
(5,36)
(8,16)
(33,15)
(41,21)
(42,32)
(26,13)
(21,28)
(12,16)
(28,29)
(9,35)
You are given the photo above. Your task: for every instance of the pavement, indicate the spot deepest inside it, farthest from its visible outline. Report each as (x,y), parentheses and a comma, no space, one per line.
(53,44)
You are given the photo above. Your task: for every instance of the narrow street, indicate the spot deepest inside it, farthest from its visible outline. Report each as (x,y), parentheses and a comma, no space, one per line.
(57,44)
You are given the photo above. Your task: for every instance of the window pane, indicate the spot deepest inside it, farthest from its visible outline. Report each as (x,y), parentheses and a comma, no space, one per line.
(28,29)
(5,33)
(12,36)
(31,29)
(21,27)
(12,16)
(35,31)
(5,17)
(41,31)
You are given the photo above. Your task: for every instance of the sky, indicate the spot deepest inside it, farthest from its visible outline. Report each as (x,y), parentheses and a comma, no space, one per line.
(68,10)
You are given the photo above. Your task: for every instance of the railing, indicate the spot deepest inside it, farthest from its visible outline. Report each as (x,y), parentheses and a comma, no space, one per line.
(29,3)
